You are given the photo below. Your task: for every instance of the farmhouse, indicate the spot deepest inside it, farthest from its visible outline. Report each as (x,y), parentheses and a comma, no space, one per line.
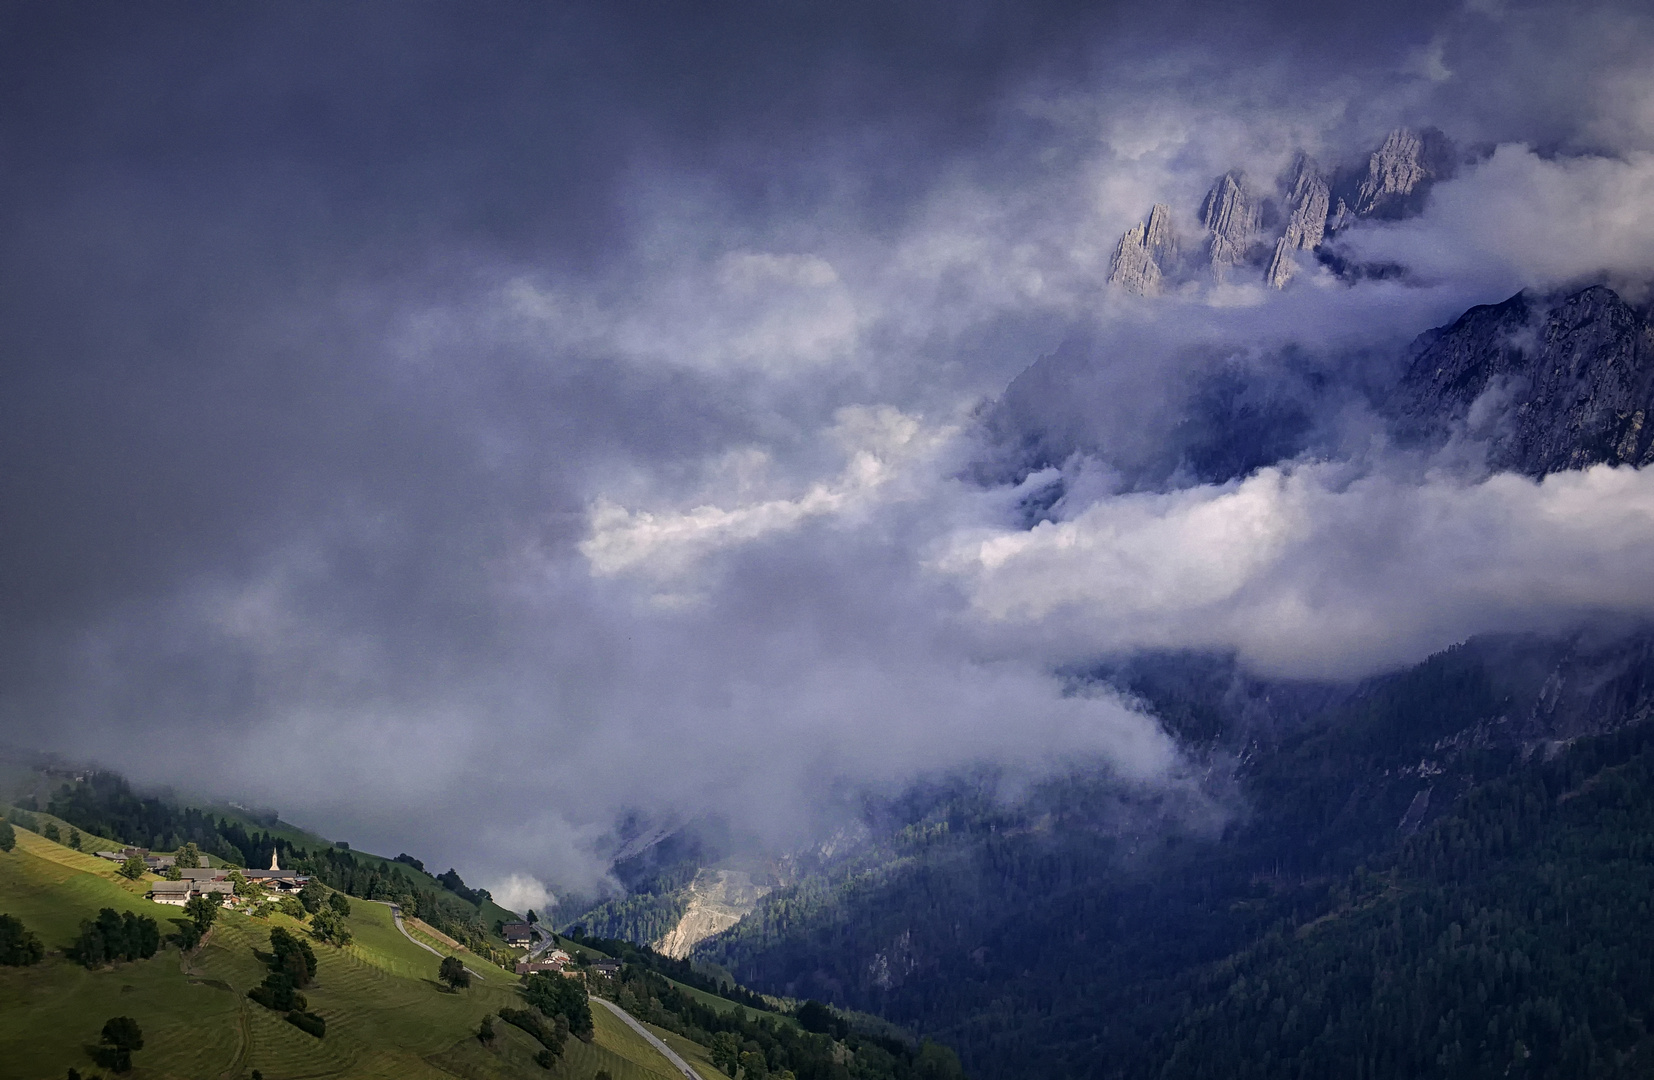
(181,891)
(171,892)
(555,960)
(155,863)
(517,933)
(529,967)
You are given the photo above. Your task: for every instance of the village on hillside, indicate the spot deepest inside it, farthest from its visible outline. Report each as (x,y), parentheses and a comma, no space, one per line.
(180,884)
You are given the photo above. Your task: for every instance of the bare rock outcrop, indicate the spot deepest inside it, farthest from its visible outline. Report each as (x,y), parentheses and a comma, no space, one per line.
(718,899)
(1393,182)
(1307,199)
(1401,171)
(1146,254)
(1232,214)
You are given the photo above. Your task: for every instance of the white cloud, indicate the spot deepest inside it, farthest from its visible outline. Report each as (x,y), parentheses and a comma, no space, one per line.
(881,445)
(520,893)
(1523,219)
(1312,572)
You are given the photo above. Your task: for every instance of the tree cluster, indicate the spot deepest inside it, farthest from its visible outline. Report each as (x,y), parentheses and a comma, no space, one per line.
(557,1009)
(452,971)
(19,946)
(292,965)
(120,1038)
(558,995)
(451,881)
(105,805)
(551,1033)
(200,912)
(114,936)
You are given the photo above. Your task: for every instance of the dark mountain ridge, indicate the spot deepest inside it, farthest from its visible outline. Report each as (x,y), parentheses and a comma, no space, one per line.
(1551,383)
(1540,382)
(1049,937)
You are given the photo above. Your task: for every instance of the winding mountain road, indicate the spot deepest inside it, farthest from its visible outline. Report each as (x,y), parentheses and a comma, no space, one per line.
(627,1018)
(666,1051)
(396,917)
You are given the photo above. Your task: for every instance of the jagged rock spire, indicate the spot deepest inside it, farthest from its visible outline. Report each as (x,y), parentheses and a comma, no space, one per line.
(1405,164)
(1231,215)
(1394,184)
(1307,200)
(1145,254)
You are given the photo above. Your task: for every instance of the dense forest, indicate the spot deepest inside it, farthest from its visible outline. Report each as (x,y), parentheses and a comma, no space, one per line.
(1512,938)
(643,918)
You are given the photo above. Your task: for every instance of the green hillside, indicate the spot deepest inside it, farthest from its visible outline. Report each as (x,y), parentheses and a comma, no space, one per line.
(102,804)
(387,1016)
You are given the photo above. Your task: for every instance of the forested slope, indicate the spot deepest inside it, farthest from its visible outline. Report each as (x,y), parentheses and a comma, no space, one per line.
(1511,938)
(1059,933)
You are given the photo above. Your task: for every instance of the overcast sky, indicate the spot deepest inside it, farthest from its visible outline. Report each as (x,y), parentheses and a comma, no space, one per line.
(460,425)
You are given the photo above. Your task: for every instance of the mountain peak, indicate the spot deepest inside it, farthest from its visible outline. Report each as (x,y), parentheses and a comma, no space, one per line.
(1394,182)
(1232,215)
(1145,254)
(1402,168)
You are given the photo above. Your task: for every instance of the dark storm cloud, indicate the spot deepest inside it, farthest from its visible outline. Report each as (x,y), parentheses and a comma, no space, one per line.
(540,413)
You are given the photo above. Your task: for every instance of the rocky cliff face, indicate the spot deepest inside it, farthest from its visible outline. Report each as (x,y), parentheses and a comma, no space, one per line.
(1146,255)
(1231,214)
(1393,182)
(1308,198)
(1400,173)
(1550,384)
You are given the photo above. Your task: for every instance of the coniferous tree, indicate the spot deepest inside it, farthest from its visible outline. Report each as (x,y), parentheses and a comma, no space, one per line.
(19,947)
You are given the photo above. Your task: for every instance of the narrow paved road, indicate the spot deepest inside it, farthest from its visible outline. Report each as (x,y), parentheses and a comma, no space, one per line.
(396,916)
(670,1054)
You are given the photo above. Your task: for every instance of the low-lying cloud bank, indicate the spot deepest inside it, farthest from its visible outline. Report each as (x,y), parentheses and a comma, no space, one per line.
(1523,219)
(1312,572)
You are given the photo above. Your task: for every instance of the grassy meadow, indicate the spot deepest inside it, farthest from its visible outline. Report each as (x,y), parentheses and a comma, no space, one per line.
(387,1016)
